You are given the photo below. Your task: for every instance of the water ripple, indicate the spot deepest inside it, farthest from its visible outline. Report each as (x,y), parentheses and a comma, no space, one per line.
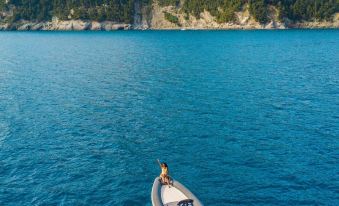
(242,117)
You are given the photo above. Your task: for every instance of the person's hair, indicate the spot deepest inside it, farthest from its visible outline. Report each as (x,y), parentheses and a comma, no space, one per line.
(164,164)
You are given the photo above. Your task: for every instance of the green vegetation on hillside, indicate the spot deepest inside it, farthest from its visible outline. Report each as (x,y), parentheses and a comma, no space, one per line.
(222,9)
(259,10)
(307,9)
(99,10)
(169,2)
(171,18)
(123,10)
(295,10)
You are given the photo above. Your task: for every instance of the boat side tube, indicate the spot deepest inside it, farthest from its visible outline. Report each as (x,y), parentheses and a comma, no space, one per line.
(187,192)
(156,193)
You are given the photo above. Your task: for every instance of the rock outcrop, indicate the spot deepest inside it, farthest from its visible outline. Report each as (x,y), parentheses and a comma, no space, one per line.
(206,21)
(71,25)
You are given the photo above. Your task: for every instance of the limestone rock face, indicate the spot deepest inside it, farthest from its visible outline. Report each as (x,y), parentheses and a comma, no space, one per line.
(4,27)
(121,27)
(80,25)
(107,26)
(37,27)
(24,27)
(69,25)
(142,16)
(64,26)
(275,25)
(95,26)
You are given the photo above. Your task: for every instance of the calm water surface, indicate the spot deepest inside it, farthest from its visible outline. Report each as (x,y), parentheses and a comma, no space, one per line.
(241,117)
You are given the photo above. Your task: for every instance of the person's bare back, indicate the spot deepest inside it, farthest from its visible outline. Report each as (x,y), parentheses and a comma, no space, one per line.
(165,179)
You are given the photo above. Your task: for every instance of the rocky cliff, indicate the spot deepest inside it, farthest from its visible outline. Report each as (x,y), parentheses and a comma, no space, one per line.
(69,25)
(243,20)
(155,16)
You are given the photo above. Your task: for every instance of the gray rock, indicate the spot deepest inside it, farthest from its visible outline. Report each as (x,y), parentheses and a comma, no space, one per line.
(4,27)
(37,27)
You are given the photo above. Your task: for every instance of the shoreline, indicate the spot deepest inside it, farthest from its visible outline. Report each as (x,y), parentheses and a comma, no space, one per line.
(177,29)
(80,25)
(141,30)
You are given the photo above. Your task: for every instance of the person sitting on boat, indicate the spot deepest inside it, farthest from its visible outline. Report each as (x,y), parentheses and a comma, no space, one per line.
(165,179)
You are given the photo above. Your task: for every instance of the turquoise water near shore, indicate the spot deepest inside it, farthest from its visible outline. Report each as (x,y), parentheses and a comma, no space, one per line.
(241,117)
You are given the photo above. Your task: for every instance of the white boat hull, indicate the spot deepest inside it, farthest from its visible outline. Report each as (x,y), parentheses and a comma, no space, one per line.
(164,195)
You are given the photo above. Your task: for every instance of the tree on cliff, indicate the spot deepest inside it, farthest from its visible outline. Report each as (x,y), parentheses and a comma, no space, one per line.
(258,9)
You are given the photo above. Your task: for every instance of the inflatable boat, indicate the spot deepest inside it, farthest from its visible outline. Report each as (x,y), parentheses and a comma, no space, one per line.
(175,194)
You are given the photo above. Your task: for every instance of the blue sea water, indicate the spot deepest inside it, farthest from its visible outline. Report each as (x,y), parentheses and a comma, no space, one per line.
(241,117)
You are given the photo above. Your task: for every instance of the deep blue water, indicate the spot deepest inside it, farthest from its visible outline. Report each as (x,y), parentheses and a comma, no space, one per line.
(241,117)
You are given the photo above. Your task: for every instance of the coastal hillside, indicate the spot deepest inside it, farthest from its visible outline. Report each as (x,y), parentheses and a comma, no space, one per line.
(167,14)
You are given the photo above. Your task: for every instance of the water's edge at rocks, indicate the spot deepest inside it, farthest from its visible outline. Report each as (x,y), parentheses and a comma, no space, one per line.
(81,25)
